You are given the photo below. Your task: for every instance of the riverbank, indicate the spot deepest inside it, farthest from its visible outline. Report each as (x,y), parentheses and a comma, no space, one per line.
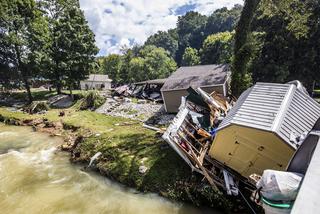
(126,148)
(32,168)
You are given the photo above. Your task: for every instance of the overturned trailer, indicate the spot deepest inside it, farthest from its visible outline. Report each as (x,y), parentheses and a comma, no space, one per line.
(261,131)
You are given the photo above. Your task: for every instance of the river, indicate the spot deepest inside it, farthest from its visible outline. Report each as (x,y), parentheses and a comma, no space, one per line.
(37,178)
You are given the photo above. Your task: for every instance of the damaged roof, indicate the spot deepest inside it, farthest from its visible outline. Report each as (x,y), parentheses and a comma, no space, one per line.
(197,76)
(155,81)
(284,109)
(98,78)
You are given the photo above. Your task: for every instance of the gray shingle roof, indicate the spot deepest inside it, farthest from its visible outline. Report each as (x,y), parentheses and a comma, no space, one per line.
(196,76)
(279,108)
(155,81)
(98,78)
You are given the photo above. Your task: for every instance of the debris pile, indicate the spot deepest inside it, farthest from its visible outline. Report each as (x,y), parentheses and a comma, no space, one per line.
(60,101)
(191,134)
(231,144)
(149,90)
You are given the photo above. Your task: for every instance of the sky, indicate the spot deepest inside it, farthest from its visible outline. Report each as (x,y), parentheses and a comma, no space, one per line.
(118,23)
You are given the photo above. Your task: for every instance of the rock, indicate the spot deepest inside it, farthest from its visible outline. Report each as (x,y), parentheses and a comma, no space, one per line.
(127,100)
(142,101)
(61,113)
(142,169)
(65,147)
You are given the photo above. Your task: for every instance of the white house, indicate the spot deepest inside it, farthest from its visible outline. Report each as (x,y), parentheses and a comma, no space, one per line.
(96,81)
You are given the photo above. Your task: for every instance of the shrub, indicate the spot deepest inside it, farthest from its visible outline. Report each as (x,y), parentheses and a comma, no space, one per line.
(91,100)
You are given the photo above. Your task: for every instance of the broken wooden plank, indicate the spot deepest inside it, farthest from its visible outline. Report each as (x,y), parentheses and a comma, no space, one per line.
(203,152)
(152,128)
(205,173)
(192,136)
(203,133)
(186,140)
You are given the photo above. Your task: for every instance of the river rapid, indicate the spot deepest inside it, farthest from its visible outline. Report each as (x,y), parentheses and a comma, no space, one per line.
(37,178)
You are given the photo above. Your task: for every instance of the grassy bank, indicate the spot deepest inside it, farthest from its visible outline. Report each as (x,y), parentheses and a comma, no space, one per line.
(125,146)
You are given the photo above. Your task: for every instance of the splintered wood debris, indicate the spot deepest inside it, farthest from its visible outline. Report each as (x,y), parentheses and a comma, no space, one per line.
(191,134)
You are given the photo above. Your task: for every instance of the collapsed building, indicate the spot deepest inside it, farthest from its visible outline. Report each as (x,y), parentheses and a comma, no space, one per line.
(149,89)
(228,142)
(208,77)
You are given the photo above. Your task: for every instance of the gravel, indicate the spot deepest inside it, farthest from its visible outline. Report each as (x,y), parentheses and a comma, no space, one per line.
(142,110)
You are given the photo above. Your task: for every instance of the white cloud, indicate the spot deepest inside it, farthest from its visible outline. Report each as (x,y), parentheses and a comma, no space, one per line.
(119,22)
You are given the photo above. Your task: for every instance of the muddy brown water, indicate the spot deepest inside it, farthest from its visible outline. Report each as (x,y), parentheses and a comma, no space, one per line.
(36,178)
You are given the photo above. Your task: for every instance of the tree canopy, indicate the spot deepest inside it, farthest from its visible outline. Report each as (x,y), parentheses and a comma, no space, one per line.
(192,29)
(277,42)
(217,48)
(45,39)
(147,62)
(24,34)
(190,57)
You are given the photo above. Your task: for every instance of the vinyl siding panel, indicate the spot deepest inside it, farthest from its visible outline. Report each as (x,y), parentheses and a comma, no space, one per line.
(279,108)
(300,117)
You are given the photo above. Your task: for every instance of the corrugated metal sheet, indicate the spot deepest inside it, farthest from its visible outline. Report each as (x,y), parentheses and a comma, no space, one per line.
(279,108)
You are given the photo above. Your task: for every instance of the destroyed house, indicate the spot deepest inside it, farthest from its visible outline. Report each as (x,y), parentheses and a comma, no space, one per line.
(262,130)
(149,89)
(208,77)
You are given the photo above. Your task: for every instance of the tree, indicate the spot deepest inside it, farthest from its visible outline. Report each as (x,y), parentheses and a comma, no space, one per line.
(282,42)
(190,57)
(217,48)
(23,32)
(127,55)
(165,39)
(112,66)
(190,29)
(241,78)
(137,71)
(150,62)
(72,50)
(223,20)
(157,62)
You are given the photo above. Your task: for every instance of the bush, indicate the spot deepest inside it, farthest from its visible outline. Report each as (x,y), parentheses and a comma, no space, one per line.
(91,100)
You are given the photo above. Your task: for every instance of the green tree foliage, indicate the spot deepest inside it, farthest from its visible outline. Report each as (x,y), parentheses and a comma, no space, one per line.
(190,57)
(157,62)
(193,28)
(190,29)
(127,55)
(167,40)
(282,43)
(143,63)
(72,50)
(111,65)
(217,48)
(243,47)
(223,20)
(23,36)
(137,70)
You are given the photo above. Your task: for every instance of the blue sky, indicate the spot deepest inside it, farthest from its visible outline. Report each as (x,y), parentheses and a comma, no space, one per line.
(118,23)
